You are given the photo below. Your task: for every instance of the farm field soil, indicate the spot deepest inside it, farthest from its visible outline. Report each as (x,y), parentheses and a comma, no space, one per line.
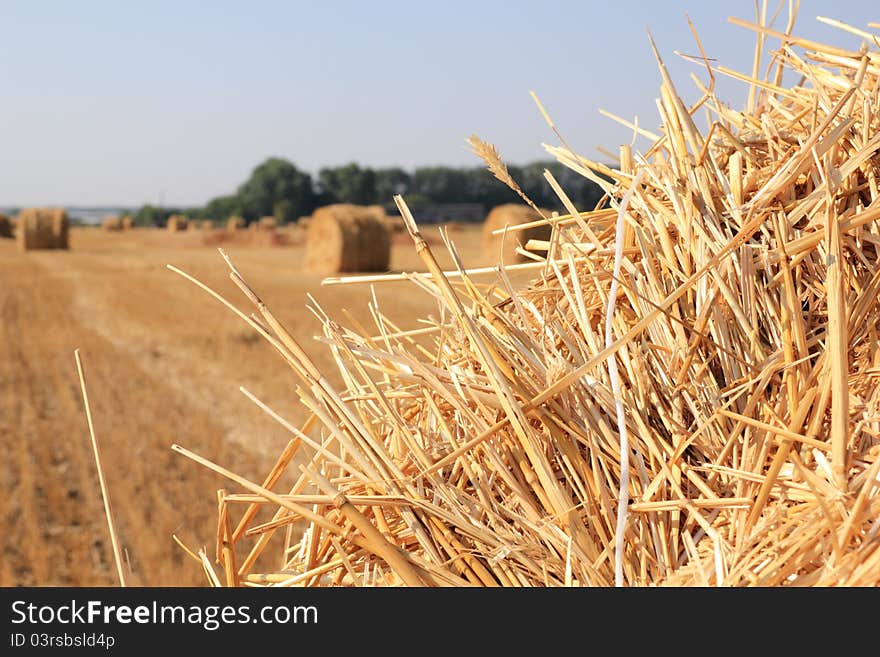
(163,363)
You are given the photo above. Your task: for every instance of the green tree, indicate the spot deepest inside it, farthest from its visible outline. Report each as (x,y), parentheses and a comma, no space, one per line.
(221,208)
(272,182)
(391,181)
(283,211)
(441,184)
(150,215)
(348,184)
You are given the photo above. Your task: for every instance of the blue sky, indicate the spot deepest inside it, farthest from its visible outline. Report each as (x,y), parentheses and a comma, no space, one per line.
(134,102)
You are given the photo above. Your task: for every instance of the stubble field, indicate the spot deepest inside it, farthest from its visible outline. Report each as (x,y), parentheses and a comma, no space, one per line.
(163,364)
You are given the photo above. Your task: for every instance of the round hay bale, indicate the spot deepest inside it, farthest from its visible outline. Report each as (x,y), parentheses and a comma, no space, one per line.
(234,223)
(6,227)
(346,238)
(42,228)
(177,223)
(111,222)
(511,214)
(127,222)
(60,228)
(206,224)
(394,224)
(267,223)
(377,211)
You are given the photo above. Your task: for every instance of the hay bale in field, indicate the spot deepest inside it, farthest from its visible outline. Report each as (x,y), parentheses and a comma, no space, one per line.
(177,223)
(42,228)
(111,223)
(511,214)
(267,223)
(127,222)
(235,223)
(394,224)
(6,227)
(206,224)
(377,211)
(343,238)
(60,227)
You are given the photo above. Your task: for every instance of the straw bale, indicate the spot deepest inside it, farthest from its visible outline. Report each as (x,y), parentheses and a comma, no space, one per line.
(177,223)
(394,224)
(687,392)
(377,211)
(111,223)
(127,222)
(60,227)
(511,214)
(206,224)
(344,238)
(42,228)
(234,223)
(267,223)
(6,227)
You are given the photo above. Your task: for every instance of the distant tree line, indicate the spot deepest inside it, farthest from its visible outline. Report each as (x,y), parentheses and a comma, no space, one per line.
(278,188)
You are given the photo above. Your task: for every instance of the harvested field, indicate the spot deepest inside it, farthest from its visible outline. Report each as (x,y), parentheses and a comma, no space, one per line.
(155,377)
(682,390)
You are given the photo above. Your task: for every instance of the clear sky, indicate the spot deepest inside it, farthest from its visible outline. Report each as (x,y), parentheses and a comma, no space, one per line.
(123,103)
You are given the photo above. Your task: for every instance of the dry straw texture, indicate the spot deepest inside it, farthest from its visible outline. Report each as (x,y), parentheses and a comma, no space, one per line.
(347,238)
(738,367)
(234,223)
(509,246)
(177,223)
(42,228)
(6,227)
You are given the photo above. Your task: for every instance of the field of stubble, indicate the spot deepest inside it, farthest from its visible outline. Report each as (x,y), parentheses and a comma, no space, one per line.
(163,364)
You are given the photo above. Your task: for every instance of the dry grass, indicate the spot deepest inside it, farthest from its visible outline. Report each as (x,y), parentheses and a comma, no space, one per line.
(714,325)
